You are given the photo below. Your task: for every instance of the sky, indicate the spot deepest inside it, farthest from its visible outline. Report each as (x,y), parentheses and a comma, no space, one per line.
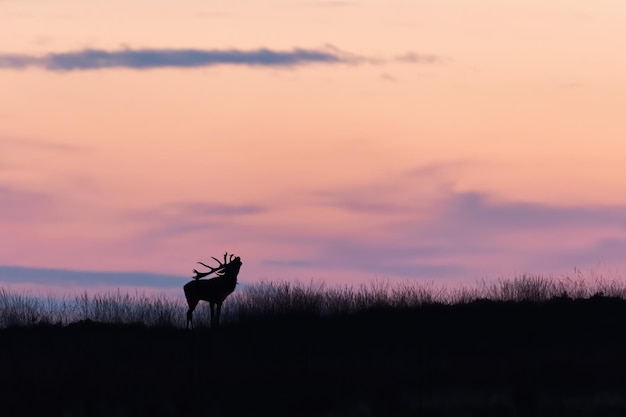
(335,141)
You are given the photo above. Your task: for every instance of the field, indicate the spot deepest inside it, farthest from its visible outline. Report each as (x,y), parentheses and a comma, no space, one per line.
(531,346)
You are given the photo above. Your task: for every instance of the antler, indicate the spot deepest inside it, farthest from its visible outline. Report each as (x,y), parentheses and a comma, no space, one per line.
(219,270)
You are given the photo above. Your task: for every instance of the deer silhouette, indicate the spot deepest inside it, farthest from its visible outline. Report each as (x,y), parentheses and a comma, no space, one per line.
(214,290)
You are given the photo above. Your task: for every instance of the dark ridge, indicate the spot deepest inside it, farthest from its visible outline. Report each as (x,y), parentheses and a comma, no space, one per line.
(562,356)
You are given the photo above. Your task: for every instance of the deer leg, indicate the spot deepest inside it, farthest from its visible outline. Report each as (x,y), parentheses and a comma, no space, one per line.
(219,313)
(189,318)
(212,314)
(192,306)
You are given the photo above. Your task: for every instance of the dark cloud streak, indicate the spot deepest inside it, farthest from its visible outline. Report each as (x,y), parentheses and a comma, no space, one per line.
(471,208)
(70,278)
(142,59)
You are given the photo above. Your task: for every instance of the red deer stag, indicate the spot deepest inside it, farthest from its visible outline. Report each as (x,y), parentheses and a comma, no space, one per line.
(214,290)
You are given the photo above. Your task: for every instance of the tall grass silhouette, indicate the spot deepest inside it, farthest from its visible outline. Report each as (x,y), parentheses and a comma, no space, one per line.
(531,345)
(20,309)
(273,299)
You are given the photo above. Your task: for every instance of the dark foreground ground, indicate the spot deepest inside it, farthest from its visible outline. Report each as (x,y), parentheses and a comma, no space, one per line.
(554,358)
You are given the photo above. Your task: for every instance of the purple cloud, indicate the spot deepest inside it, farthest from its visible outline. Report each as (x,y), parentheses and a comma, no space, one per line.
(473,210)
(71,278)
(462,235)
(23,206)
(143,59)
(191,217)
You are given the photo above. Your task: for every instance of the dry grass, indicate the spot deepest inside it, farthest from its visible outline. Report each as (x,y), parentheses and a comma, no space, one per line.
(291,299)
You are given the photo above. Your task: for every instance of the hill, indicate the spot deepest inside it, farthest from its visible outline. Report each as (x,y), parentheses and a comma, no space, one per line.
(560,356)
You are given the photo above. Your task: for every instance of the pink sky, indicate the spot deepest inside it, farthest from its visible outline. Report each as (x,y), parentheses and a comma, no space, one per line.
(341,141)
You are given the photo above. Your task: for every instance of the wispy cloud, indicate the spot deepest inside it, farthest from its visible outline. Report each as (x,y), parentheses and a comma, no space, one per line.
(192,217)
(474,228)
(457,234)
(85,279)
(218,209)
(375,258)
(214,15)
(144,59)
(466,235)
(40,145)
(358,202)
(415,58)
(329,3)
(388,77)
(472,210)
(196,210)
(22,206)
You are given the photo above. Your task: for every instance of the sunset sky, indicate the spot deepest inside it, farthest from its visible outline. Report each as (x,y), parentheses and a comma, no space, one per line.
(341,141)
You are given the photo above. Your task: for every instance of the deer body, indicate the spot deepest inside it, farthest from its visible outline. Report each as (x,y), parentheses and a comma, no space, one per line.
(214,290)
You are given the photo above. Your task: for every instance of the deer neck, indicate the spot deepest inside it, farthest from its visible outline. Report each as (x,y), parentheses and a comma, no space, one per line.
(229,283)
